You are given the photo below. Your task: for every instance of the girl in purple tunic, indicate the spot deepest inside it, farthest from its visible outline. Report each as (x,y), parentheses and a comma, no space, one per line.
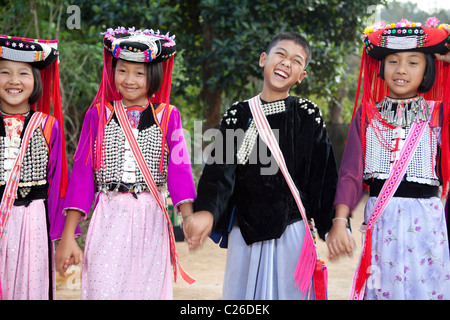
(128,248)
(33,170)
(405,254)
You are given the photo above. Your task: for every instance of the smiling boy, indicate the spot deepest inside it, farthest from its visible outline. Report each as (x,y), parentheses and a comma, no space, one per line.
(255,211)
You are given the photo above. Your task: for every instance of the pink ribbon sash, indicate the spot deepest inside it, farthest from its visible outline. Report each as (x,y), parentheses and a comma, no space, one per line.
(137,153)
(308,257)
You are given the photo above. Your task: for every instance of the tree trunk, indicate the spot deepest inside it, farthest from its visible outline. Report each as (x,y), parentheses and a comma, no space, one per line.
(210,98)
(335,106)
(335,112)
(213,103)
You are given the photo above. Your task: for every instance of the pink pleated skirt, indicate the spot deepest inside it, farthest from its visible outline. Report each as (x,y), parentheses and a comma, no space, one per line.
(127,253)
(24,255)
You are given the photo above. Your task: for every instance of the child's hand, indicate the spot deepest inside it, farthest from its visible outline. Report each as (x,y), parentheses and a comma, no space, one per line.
(67,253)
(197,227)
(339,241)
(446,57)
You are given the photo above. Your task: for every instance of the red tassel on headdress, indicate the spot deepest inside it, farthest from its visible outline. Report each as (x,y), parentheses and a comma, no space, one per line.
(374,89)
(358,89)
(441,92)
(44,104)
(50,103)
(58,114)
(163,96)
(445,152)
(108,92)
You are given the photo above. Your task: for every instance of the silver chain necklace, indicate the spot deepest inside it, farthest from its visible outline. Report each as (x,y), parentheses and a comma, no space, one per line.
(403,112)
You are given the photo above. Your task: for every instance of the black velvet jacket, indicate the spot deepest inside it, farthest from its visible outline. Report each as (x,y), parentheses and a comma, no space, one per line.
(262,205)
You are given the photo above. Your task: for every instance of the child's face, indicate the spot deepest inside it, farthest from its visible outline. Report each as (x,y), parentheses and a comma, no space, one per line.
(283,66)
(131,81)
(16,85)
(403,73)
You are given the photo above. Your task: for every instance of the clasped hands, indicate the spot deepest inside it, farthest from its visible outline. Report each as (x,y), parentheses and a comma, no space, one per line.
(197,227)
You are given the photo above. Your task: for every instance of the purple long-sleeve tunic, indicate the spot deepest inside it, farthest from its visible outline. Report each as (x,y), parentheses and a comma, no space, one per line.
(54,174)
(82,184)
(350,184)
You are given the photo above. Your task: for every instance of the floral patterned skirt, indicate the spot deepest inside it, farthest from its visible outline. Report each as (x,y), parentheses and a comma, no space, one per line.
(410,251)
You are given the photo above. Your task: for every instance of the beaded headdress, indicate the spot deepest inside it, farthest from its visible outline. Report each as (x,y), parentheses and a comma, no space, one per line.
(39,53)
(44,55)
(383,39)
(141,46)
(145,46)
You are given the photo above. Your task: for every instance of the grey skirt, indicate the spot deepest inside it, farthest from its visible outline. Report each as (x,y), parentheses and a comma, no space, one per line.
(264,270)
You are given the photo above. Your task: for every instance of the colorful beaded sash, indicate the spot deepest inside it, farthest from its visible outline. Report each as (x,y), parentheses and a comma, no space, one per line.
(309,265)
(390,186)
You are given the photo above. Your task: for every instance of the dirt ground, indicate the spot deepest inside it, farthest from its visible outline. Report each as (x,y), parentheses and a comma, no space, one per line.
(207,266)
